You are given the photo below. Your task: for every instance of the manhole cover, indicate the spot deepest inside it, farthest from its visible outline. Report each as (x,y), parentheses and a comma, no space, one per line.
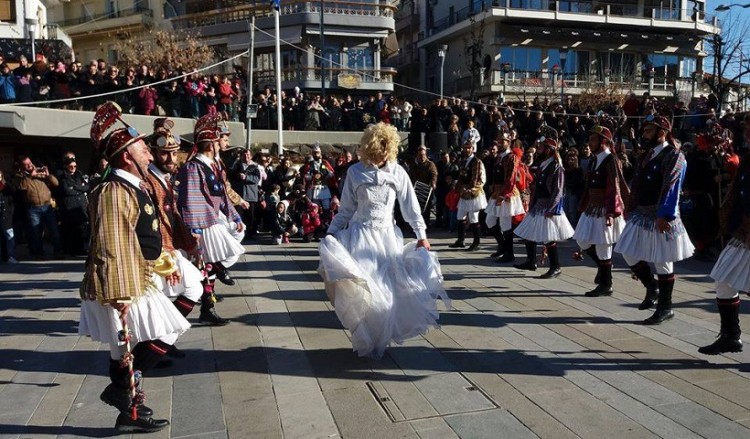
(430,396)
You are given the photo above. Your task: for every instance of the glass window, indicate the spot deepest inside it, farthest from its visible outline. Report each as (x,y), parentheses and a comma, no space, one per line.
(688,67)
(8,10)
(360,58)
(331,54)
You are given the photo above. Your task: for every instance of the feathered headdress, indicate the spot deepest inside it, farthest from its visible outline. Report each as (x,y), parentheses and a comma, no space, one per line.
(109,143)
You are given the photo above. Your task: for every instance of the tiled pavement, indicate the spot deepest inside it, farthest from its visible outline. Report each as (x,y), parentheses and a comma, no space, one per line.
(517,357)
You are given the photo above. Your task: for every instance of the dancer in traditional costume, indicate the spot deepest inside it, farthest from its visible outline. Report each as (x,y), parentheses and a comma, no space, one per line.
(383,291)
(654,231)
(207,210)
(602,207)
(545,221)
(732,270)
(471,180)
(505,202)
(122,303)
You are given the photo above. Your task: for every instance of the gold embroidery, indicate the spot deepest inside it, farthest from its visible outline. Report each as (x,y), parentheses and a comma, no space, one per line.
(149,209)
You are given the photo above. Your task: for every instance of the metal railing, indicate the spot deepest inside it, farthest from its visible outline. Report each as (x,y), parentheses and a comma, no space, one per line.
(298,75)
(546,80)
(575,7)
(112,14)
(245,12)
(55,32)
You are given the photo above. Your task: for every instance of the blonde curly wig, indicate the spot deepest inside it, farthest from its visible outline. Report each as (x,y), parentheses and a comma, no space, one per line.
(379,142)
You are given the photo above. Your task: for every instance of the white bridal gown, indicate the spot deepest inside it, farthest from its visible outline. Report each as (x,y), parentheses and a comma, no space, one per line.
(382,290)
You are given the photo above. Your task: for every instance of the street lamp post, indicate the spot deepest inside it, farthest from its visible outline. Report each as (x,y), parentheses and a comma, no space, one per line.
(441,54)
(506,69)
(650,75)
(555,71)
(563,58)
(31,23)
(697,77)
(322,51)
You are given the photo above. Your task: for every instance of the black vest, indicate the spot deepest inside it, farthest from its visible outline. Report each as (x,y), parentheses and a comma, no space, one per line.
(215,184)
(147,227)
(597,178)
(540,182)
(649,178)
(498,171)
(465,173)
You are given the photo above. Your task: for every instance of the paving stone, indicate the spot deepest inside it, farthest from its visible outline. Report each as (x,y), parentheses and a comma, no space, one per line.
(451,393)
(487,425)
(703,421)
(435,428)
(194,394)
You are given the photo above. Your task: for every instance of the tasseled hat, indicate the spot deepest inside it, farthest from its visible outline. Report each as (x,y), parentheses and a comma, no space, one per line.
(162,139)
(110,144)
(660,122)
(602,132)
(207,128)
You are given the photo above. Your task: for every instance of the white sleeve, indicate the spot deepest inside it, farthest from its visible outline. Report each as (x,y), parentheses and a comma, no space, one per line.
(347,208)
(407,200)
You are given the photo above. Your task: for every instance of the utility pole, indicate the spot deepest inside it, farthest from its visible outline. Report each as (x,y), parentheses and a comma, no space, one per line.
(322,55)
(250,88)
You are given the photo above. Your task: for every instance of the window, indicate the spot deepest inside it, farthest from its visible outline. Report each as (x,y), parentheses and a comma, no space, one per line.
(663,64)
(360,58)
(522,58)
(331,55)
(8,10)
(689,66)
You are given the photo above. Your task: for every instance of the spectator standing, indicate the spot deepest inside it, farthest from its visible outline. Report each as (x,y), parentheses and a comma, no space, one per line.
(423,170)
(34,185)
(574,181)
(227,96)
(73,208)
(8,84)
(247,175)
(7,237)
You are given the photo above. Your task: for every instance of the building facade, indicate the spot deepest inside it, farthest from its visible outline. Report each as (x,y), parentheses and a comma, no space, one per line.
(24,23)
(531,48)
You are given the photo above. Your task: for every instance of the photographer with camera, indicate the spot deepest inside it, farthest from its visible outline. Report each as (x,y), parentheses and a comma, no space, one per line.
(35,185)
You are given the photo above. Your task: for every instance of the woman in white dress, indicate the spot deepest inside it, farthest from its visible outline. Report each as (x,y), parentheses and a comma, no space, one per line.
(382,290)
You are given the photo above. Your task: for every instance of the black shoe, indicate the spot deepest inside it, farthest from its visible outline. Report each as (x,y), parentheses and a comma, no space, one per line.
(473,247)
(175,352)
(458,244)
(224,277)
(659,316)
(552,272)
(725,343)
(528,265)
(497,254)
(600,290)
(507,257)
(209,316)
(652,294)
(141,425)
(120,399)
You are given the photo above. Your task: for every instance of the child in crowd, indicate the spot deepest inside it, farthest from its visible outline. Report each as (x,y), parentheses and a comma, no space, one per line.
(327,216)
(451,203)
(281,225)
(310,222)
(272,198)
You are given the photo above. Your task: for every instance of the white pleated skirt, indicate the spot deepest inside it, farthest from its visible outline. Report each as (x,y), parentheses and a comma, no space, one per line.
(151,316)
(222,241)
(641,241)
(538,228)
(733,266)
(507,208)
(472,205)
(593,229)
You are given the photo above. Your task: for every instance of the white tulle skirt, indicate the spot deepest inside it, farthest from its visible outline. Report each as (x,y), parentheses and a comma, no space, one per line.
(151,316)
(538,228)
(383,291)
(640,240)
(222,242)
(733,266)
(593,229)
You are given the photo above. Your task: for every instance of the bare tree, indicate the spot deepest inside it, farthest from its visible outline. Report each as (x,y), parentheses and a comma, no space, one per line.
(730,60)
(473,48)
(162,49)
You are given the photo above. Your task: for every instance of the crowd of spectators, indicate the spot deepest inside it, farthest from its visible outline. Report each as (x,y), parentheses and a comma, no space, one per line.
(298,199)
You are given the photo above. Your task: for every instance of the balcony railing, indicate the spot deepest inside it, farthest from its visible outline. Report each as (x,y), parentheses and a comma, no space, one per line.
(549,81)
(107,15)
(407,55)
(245,12)
(298,75)
(574,7)
(55,32)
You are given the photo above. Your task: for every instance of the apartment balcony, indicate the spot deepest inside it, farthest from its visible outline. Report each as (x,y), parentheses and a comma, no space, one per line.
(349,12)
(124,19)
(584,13)
(338,80)
(545,83)
(407,55)
(55,32)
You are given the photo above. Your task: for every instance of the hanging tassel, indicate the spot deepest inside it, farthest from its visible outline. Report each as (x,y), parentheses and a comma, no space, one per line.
(543,256)
(578,255)
(125,336)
